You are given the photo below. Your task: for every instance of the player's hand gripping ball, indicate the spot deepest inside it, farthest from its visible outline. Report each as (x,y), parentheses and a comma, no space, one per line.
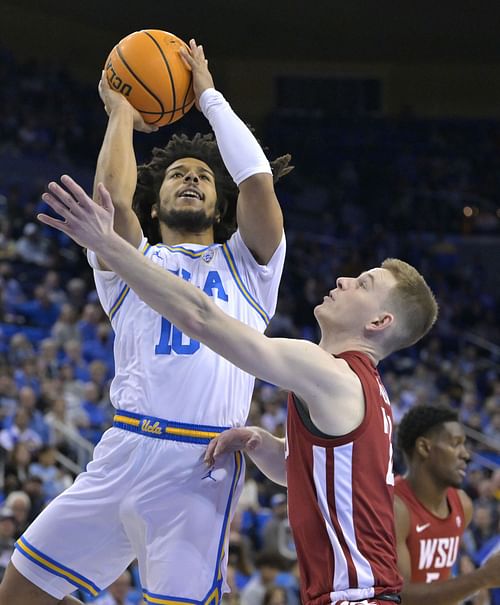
(147,68)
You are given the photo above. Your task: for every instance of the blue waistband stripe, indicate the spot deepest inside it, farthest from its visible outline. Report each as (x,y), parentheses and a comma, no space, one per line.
(159,428)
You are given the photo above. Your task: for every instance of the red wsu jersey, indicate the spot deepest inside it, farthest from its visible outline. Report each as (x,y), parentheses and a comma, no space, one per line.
(340,499)
(433,542)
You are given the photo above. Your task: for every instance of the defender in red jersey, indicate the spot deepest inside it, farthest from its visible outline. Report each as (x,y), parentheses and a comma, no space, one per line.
(432,512)
(339,453)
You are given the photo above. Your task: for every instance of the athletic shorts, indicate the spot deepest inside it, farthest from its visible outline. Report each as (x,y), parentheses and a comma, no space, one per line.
(141,498)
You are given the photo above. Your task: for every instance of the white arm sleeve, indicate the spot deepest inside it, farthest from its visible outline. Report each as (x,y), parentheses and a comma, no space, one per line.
(242,154)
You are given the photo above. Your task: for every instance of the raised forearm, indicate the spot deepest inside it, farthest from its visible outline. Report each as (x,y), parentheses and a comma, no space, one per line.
(449,592)
(269,456)
(116,164)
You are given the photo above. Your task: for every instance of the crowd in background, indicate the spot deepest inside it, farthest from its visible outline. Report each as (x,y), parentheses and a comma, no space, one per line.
(362,191)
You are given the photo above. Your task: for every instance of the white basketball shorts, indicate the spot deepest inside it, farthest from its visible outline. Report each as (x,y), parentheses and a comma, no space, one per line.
(147,498)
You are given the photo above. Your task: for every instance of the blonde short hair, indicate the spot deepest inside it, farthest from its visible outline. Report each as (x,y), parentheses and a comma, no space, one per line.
(413,302)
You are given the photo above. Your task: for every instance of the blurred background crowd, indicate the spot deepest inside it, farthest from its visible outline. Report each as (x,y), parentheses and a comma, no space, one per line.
(364,188)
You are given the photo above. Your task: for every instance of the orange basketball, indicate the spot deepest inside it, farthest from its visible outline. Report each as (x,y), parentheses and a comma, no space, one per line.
(146,67)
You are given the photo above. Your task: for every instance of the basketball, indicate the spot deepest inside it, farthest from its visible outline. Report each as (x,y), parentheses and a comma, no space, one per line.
(147,69)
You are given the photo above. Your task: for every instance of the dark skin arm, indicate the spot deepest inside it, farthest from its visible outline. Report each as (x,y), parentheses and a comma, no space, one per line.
(259,215)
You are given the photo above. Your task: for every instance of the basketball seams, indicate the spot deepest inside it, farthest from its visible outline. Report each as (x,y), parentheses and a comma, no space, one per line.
(131,71)
(137,60)
(170,75)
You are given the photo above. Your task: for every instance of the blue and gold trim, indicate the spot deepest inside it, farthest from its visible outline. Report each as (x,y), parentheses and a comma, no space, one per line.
(186,251)
(160,428)
(125,290)
(228,255)
(231,263)
(214,594)
(151,597)
(71,576)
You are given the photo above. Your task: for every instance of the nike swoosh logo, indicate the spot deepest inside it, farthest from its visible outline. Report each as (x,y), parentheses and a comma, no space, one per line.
(420,528)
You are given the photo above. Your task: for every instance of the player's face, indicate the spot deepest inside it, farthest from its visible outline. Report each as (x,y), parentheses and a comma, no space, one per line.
(355,301)
(449,456)
(188,196)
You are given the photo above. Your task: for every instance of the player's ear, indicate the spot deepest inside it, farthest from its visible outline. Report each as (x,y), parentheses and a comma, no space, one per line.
(154,211)
(423,447)
(381,322)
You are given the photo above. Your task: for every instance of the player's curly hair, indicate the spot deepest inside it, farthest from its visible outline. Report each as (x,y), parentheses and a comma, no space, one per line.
(419,421)
(202,147)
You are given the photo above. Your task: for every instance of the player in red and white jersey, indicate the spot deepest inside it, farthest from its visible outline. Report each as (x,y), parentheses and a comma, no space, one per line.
(339,432)
(432,512)
(340,498)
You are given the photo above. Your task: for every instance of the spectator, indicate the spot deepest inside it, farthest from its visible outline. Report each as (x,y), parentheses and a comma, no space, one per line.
(48,362)
(66,327)
(276,534)
(20,504)
(8,396)
(54,480)
(33,488)
(16,469)
(20,349)
(32,248)
(20,431)
(73,357)
(77,292)
(28,401)
(268,567)
(27,375)
(52,282)
(7,534)
(54,418)
(40,311)
(480,529)
(88,324)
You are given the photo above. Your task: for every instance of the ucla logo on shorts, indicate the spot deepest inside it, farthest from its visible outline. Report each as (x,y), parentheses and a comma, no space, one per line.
(151,427)
(208,255)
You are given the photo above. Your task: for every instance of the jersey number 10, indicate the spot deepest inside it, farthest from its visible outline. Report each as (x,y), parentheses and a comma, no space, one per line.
(171,340)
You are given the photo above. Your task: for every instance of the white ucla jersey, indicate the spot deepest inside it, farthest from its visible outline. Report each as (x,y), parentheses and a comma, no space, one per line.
(161,372)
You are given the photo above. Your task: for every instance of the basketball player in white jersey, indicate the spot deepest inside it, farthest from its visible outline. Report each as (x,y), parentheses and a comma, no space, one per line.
(147,493)
(339,469)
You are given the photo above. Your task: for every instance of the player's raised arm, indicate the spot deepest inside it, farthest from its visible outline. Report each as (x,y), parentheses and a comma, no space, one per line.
(116,163)
(259,215)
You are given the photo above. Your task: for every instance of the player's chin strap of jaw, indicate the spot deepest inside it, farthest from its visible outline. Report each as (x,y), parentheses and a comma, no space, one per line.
(242,154)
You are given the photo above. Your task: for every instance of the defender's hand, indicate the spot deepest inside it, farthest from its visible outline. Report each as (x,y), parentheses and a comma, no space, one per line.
(86,222)
(233,440)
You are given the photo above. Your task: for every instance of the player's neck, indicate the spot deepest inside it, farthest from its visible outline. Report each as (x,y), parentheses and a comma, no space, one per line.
(173,237)
(335,345)
(429,492)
